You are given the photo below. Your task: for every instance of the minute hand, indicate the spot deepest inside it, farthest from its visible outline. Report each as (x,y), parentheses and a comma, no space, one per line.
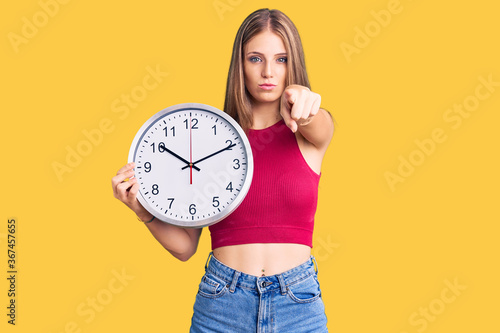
(204,158)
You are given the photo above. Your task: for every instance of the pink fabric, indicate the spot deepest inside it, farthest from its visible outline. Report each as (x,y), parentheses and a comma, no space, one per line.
(282,199)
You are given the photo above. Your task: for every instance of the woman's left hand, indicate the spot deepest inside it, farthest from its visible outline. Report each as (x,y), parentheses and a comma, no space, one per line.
(298,106)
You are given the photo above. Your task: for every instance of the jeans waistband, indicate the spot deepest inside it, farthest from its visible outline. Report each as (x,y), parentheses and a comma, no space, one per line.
(236,278)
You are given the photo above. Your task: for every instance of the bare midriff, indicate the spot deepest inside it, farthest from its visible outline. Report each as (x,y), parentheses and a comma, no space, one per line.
(263,259)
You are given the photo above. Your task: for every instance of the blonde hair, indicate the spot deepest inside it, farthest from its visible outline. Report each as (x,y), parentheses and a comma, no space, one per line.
(237,103)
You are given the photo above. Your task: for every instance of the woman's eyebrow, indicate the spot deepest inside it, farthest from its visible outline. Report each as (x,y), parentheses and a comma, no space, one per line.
(258,53)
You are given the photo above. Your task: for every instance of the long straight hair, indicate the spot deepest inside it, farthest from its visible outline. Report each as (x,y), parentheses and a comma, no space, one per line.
(237,103)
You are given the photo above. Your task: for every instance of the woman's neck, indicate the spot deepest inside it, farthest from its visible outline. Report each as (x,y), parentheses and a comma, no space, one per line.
(265,114)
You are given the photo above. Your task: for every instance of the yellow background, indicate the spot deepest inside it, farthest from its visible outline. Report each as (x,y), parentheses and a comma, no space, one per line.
(384,253)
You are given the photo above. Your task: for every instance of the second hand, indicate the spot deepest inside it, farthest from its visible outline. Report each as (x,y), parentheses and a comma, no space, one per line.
(190,152)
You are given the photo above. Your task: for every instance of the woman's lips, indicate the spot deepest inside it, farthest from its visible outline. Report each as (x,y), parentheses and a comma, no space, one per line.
(267,86)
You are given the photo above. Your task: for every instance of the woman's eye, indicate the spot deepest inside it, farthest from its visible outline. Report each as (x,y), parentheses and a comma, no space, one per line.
(282,59)
(254,59)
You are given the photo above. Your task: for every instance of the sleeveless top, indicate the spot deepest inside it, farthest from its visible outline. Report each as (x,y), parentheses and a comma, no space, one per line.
(282,199)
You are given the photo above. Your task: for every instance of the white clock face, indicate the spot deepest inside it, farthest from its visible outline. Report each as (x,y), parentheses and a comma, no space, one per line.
(193,163)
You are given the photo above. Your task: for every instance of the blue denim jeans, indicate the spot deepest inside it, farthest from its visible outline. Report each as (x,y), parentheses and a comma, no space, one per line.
(235,302)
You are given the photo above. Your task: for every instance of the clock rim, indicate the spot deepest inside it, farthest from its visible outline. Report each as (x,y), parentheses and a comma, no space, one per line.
(202,222)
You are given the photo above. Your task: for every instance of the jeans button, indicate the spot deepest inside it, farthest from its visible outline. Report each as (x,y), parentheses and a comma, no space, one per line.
(263,284)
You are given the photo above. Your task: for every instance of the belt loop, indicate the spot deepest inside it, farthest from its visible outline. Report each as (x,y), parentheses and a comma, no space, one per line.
(235,281)
(315,264)
(282,284)
(208,259)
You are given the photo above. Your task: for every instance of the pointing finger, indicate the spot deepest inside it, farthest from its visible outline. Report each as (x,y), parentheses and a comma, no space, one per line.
(298,108)
(289,122)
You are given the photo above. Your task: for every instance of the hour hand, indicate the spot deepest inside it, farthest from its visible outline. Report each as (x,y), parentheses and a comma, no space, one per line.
(163,148)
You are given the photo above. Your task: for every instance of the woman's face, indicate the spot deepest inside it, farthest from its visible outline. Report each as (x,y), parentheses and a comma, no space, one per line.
(265,67)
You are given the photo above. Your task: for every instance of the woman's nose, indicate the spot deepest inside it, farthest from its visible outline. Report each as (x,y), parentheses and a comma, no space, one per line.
(267,70)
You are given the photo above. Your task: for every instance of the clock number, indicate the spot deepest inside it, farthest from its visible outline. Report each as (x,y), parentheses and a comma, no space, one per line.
(161,147)
(215,202)
(192,209)
(237,166)
(171,201)
(215,129)
(171,128)
(230,142)
(229,187)
(147,166)
(155,189)
(194,122)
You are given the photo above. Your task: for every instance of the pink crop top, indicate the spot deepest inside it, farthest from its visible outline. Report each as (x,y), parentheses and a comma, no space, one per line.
(282,199)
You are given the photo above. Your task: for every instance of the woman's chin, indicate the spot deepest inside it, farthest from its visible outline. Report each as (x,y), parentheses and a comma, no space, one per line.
(267,98)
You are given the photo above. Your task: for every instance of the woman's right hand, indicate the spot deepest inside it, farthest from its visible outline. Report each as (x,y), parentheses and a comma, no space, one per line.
(180,242)
(125,188)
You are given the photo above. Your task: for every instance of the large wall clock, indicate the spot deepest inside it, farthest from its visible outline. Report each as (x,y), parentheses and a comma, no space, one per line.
(194,165)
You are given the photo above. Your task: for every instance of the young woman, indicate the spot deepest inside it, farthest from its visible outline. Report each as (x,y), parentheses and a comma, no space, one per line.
(260,275)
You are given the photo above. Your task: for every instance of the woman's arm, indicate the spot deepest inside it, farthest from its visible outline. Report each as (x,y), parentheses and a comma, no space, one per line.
(300,109)
(180,242)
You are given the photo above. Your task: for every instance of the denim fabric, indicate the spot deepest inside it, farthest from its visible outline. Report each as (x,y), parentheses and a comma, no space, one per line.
(232,301)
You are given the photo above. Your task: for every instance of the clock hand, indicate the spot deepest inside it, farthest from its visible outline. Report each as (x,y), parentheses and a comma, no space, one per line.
(180,158)
(190,151)
(204,158)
